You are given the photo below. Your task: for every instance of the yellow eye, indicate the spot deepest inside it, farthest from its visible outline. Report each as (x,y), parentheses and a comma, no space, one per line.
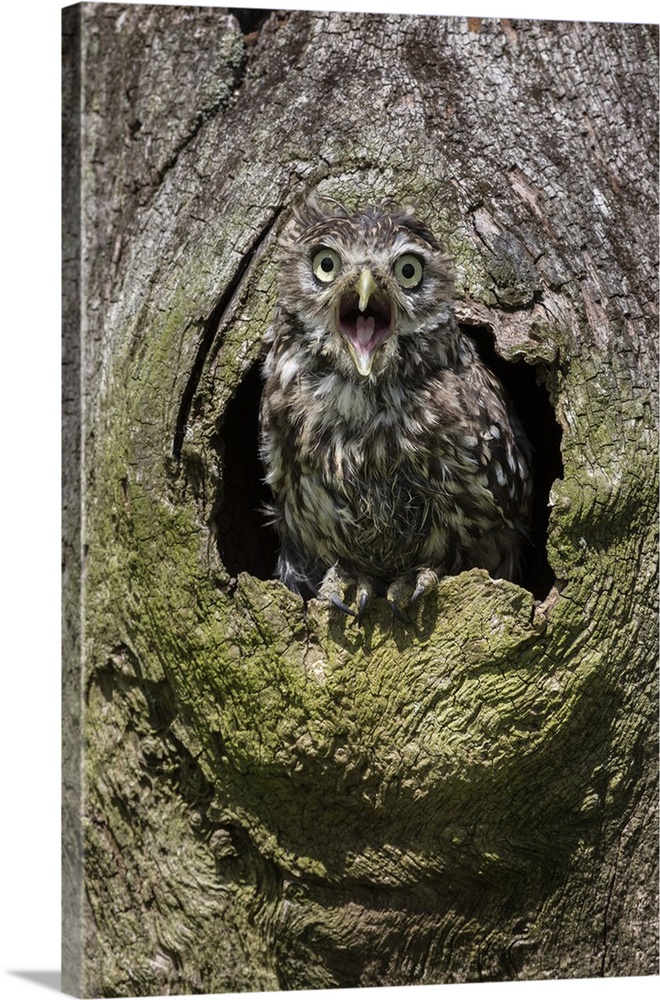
(408,271)
(326,264)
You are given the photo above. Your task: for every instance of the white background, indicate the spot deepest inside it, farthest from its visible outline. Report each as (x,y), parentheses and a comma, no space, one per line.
(29,459)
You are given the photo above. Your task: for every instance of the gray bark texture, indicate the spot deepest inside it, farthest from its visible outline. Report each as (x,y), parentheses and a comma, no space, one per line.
(257,798)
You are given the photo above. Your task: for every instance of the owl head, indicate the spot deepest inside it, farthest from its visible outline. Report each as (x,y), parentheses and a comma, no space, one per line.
(368,291)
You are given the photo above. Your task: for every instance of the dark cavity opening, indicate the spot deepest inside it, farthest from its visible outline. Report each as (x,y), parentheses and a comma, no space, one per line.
(532,404)
(245,540)
(249,19)
(247,543)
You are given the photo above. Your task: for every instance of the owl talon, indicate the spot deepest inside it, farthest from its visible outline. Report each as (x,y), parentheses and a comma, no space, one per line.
(335,582)
(365,592)
(426,581)
(402,616)
(338,603)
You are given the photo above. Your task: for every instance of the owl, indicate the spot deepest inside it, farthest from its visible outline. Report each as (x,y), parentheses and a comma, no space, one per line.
(392,452)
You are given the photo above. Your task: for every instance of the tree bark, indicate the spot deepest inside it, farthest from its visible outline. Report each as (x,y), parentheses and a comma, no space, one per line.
(259,796)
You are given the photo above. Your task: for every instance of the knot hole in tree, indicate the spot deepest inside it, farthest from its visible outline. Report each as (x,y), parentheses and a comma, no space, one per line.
(248,543)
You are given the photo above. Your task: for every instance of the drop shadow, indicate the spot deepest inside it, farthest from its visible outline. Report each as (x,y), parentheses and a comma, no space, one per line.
(381,625)
(49,979)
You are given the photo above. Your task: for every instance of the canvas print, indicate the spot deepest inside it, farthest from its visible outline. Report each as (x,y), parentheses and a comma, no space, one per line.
(360,499)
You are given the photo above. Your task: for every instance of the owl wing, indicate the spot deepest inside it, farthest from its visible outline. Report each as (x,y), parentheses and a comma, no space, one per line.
(502,449)
(478,451)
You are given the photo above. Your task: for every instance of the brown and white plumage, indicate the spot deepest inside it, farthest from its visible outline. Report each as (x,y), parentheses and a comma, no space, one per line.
(392,452)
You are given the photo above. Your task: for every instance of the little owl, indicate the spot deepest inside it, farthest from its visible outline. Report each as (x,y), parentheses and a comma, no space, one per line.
(393,454)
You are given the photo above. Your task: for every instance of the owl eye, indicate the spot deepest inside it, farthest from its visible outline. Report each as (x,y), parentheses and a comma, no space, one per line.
(408,271)
(326,264)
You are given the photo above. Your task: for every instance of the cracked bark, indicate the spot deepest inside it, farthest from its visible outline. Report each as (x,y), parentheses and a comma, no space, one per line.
(274,801)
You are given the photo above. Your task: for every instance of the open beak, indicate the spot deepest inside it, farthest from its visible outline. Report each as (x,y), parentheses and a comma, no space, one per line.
(365,320)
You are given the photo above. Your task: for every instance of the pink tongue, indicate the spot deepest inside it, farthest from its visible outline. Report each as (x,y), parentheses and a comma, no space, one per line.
(364,329)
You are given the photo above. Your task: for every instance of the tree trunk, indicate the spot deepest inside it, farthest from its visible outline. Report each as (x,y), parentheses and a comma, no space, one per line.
(259,796)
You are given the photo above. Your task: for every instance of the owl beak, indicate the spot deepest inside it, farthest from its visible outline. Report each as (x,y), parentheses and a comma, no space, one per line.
(365,287)
(365,325)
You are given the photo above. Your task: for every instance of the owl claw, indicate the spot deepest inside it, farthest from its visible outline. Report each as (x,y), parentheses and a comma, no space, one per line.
(401,594)
(408,589)
(402,616)
(338,603)
(426,581)
(365,591)
(334,582)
